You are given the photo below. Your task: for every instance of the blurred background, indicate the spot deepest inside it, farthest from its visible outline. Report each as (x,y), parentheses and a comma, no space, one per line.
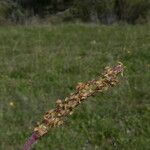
(48,46)
(54,11)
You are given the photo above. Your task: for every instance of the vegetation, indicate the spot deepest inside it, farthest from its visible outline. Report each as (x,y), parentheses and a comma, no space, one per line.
(42,64)
(131,11)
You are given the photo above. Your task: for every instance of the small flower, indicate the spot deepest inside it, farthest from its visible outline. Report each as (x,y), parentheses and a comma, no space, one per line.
(12,104)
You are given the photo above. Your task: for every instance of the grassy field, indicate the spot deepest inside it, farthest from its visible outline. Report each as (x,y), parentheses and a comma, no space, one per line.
(38,65)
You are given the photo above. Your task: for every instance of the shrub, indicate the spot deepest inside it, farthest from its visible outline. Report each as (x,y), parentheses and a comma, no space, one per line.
(121,10)
(132,10)
(18,14)
(11,11)
(4,11)
(106,11)
(82,9)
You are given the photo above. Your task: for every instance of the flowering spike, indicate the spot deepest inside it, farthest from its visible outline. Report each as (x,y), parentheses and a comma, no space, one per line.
(64,108)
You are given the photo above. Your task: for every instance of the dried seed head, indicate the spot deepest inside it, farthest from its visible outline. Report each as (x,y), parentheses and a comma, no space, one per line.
(55,117)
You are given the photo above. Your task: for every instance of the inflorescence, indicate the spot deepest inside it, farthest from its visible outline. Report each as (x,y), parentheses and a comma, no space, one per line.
(64,108)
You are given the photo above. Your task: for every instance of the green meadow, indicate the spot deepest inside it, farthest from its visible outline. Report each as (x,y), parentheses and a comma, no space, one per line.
(40,64)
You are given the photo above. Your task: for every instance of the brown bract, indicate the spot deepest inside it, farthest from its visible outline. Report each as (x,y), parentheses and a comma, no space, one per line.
(64,108)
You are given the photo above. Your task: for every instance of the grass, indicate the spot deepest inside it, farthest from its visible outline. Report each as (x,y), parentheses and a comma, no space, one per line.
(38,65)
